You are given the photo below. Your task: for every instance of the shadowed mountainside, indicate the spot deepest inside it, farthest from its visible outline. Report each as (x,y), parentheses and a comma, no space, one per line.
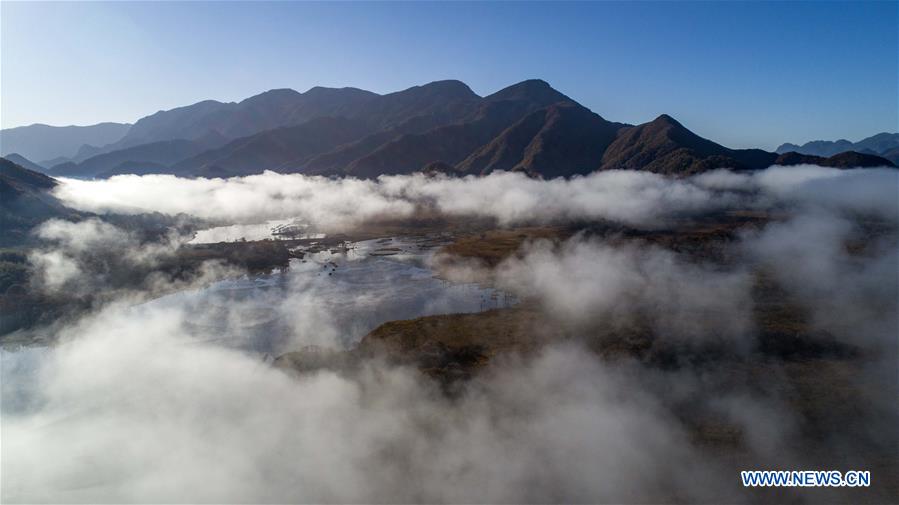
(454,142)
(143,158)
(271,109)
(560,140)
(665,146)
(24,162)
(441,126)
(272,149)
(25,202)
(528,127)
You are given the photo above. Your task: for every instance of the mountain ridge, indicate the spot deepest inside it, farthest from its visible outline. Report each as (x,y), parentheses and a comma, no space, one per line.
(879,144)
(440,126)
(24,162)
(847,159)
(665,146)
(39,142)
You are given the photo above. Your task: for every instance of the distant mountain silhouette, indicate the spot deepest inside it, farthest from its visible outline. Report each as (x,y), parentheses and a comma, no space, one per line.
(392,134)
(24,162)
(414,109)
(177,123)
(817,147)
(277,149)
(439,127)
(40,142)
(665,146)
(878,144)
(155,154)
(134,168)
(25,202)
(84,152)
(892,155)
(265,111)
(536,92)
(850,159)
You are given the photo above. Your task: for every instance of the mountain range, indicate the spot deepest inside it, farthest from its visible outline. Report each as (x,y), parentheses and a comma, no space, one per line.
(883,144)
(441,126)
(49,145)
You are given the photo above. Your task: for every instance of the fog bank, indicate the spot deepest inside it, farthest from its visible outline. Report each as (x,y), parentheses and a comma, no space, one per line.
(135,404)
(634,198)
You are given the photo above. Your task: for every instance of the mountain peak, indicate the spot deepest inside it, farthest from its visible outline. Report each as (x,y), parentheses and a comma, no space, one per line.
(456,83)
(882,136)
(532,84)
(280,91)
(317,91)
(277,94)
(667,147)
(451,87)
(665,119)
(436,90)
(24,162)
(534,90)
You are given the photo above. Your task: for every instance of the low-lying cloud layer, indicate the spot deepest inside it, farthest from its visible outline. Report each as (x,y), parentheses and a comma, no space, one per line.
(588,282)
(132,411)
(95,260)
(77,255)
(132,405)
(634,198)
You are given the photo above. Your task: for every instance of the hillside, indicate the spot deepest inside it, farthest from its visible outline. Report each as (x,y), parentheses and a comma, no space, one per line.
(154,154)
(25,202)
(560,140)
(279,149)
(451,143)
(24,162)
(665,146)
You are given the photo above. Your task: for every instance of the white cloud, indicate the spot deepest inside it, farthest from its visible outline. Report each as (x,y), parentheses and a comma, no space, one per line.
(588,282)
(130,409)
(634,198)
(132,406)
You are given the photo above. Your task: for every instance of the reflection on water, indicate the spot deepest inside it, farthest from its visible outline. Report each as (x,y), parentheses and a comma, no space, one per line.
(275,229)
(331,298)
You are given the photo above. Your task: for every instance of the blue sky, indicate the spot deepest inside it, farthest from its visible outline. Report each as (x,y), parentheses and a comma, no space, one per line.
(743,74)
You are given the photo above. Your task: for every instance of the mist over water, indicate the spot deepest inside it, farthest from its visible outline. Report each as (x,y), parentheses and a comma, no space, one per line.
(331,300)
(171,400)
(273,229)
